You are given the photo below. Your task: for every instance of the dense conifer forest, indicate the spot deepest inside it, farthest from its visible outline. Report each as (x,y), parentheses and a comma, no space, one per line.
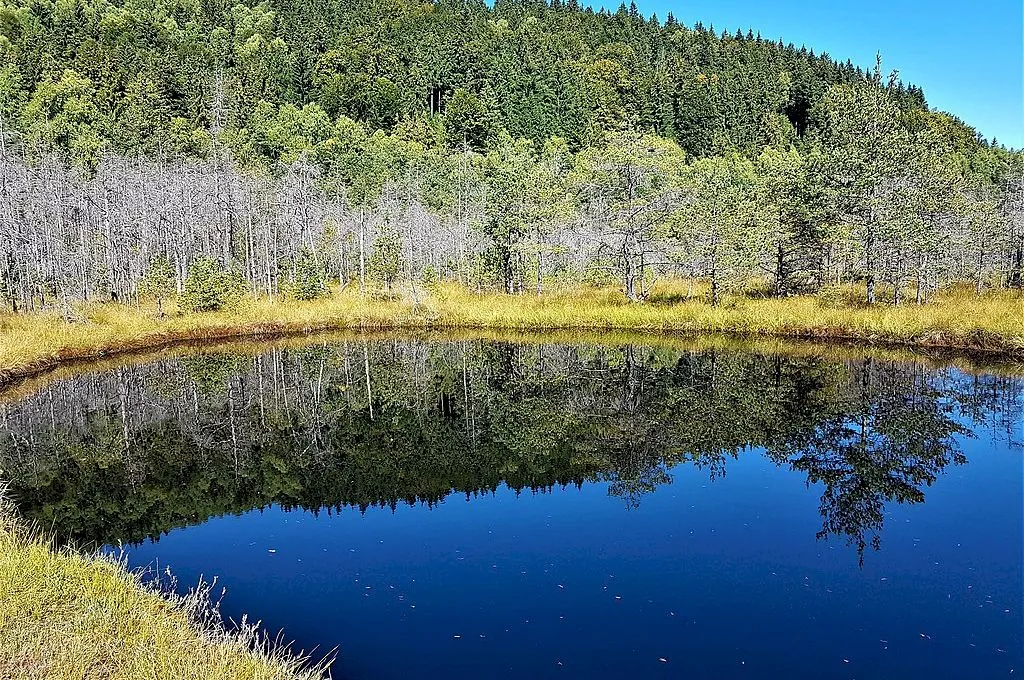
(205,148)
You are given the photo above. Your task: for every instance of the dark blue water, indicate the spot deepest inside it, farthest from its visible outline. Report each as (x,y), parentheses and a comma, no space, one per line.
(705,579)
(720,569)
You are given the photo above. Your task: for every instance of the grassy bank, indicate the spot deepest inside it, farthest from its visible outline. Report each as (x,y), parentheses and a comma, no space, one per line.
(65,615)
(993,322)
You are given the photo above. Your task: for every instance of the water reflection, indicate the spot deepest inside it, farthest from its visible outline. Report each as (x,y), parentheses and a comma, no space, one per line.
(136,451)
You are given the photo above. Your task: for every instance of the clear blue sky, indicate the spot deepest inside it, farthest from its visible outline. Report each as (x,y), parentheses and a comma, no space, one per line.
(967,56)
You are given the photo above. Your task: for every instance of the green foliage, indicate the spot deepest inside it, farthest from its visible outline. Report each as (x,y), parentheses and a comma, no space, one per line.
(467,120)
(12,96)
(720,224)
(531,70)
(631,186)
(535,131)
(429,276)
(785,207)
(159,282)
(307,278)
(209,287)
(64,113)
(386,261)
(523,192)
(287,132)
(356,80)
(880,179)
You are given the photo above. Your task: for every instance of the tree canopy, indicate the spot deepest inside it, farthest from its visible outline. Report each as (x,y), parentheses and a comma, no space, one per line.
(502,146)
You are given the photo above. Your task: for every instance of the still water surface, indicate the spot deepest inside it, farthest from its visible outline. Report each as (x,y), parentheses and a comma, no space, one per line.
(485,509)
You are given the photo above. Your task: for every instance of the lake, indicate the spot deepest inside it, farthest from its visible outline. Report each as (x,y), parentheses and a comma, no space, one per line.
(438,508)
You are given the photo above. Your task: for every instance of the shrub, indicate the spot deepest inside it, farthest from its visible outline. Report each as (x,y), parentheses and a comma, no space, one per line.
(430,276)
(210,288)
(307,277)
(386,260)
(158,282)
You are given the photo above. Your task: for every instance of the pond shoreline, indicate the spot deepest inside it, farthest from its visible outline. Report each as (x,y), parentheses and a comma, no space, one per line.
(991,326)
(712,373)
(150,432)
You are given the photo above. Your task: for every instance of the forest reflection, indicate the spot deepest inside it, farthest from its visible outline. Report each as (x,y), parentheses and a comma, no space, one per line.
(133,452)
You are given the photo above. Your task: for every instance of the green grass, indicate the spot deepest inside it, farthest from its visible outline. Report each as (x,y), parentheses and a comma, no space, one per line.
(68,615)
(993,322)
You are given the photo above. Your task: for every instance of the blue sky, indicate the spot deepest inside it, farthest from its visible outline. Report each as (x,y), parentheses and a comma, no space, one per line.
(966,55)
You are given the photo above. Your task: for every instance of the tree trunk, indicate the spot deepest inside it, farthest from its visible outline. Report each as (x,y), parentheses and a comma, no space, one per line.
(366,369)
(869,256)
(979,281)
(920,281)
(629,278)
(540,264)
(362,252)
(1017,270)
(779,269)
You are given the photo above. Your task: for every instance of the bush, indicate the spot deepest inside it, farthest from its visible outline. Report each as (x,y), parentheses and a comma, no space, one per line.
(307,277)
(210,288)
(386,260)
(158,282)
(430,277)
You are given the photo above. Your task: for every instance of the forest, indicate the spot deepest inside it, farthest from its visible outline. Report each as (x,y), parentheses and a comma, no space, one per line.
(207,150)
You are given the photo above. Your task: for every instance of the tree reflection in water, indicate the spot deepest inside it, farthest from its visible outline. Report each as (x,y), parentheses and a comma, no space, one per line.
(134,452)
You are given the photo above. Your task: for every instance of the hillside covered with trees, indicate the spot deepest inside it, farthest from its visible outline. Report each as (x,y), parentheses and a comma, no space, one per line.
(204,149)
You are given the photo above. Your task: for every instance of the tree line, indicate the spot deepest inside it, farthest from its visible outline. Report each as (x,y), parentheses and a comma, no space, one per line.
(206,150)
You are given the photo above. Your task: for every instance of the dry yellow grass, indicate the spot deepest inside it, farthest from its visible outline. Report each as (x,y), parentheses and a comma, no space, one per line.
(66,615)
(992,322)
